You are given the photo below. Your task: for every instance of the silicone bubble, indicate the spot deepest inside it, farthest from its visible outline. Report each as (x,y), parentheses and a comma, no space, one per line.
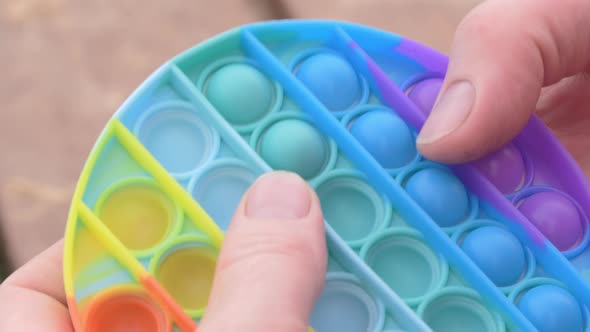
(551,309)
(506,263)
(177,137)
(294,145)
(344,306)
(186,271)
(424,93)
(457,309)
(556,216)
(386,137)
(405,264)
(241,93)
(505,168)
(440,194)
(331,79)
(220,188)
(123,312)
(133,205)
(351,206)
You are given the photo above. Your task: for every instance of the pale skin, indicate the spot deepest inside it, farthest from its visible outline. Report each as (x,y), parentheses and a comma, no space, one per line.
(534,57)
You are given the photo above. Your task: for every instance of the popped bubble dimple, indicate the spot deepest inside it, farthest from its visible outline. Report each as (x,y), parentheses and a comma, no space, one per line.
(551,309)
(346,307)
(138,205)
(416,271)
(186,272)
(177,138)
(505,168)
(241,93)
(125,312)
(220,188)
(387,138)
(556,217)
(331,79)
(505,263)
(457,309)
(424,94)
(440,194)
(351,206)
(294,145)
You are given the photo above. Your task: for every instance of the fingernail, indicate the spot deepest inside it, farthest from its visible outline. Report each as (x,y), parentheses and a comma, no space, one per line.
(449,113)
(278,195)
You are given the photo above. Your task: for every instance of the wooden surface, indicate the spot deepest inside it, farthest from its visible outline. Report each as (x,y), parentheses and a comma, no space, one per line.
(67,65)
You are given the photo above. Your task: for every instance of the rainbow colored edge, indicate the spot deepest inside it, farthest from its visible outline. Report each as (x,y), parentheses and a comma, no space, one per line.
(413,245)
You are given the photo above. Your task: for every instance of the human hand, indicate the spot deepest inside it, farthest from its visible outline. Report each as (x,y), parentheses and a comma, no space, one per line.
(510,59)
(270,270)
(518,57)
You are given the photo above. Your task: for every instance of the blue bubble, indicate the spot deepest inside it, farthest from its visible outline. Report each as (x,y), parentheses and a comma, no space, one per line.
(331,79)
(440,194)
(386,137)
(497,253)
(551,309)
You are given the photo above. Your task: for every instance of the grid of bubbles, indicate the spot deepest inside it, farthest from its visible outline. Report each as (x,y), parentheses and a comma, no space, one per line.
(284,138)
(549,197)
(384,275)
(530,181)
(178,127)
(287,139)
(342,90)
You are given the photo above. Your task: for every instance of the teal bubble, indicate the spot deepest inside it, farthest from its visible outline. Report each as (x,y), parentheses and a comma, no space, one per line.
(351,207)
(294,145)
(457,309)
(241,93)
(344,306)
(417,270)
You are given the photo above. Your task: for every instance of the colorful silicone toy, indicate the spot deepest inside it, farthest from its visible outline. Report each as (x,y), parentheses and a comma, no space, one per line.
(496,245)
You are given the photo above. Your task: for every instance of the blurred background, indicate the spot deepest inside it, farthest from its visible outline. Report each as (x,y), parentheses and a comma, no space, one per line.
(67,65)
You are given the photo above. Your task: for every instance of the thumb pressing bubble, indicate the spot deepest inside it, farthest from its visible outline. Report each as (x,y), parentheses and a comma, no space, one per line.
(503,55)
(270,270)
(273,261)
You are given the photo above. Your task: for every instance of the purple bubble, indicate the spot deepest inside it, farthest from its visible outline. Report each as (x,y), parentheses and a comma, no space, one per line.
(424,93)
(556,217)
(505,168)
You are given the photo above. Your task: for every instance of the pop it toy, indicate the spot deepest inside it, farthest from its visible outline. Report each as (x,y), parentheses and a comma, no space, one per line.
(500,244)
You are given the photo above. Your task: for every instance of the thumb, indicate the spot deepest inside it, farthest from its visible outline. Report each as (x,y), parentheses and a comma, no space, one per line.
(273,261)
(504,52)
